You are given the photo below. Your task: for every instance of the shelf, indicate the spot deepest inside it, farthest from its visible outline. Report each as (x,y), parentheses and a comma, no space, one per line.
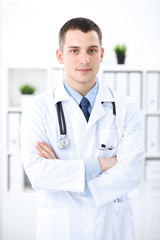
(152,156)
(129,68)
(14,109)
(154,113)
(9,153)
(24,193)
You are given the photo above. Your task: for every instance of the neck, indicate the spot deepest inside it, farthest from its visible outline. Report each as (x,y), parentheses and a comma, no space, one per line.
(82,88)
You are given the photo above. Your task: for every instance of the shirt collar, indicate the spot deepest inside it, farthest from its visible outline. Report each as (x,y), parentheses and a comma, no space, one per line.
(104,93)
(73,93)
(91,95)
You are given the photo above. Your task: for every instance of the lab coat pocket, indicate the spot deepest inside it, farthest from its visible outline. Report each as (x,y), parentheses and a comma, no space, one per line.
(123,220)
(106,139)
(52,223)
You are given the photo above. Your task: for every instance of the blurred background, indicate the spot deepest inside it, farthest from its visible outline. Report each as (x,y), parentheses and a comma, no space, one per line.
(28,42)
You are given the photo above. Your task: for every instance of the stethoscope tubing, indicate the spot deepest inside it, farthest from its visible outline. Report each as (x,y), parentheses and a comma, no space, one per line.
(64,141)
(61,119)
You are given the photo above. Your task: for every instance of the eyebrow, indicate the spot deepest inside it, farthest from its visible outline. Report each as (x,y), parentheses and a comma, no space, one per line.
(94,46)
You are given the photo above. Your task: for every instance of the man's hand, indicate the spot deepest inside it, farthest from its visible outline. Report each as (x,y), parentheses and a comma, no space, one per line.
(45,150)
(107,163)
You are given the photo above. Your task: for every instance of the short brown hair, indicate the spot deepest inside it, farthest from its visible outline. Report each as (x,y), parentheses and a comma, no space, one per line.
(82,24)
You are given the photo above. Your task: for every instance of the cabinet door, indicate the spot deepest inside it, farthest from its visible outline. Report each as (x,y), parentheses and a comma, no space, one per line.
(151,219)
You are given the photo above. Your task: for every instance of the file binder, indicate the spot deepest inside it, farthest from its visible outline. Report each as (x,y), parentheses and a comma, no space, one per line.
(13,132)
(152,91)
(15,173)
(134,83)
(121,83)
(152,134)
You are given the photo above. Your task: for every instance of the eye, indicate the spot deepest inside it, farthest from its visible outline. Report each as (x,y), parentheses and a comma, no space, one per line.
(74,51)
(92,51)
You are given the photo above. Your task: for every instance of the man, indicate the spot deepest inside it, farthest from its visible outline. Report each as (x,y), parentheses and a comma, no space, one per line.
(82,185)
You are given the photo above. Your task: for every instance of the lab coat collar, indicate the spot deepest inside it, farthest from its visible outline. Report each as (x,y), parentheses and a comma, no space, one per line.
(61,93)
(98,111)
(104,95)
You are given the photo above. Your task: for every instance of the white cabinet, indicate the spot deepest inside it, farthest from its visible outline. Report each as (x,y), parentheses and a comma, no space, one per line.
(143,85)
(16,77)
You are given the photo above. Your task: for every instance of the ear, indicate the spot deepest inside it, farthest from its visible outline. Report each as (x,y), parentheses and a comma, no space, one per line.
(102,54)
(59,55)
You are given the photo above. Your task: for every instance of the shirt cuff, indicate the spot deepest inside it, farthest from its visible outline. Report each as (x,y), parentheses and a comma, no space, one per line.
(86,192)
(92,168)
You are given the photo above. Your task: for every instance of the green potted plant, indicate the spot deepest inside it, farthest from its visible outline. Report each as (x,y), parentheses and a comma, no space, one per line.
(120,51)
(27,92)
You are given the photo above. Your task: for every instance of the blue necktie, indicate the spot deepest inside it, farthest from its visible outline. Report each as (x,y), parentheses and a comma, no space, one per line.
(84,104)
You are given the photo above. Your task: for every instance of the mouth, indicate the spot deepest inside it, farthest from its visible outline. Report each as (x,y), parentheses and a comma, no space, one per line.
(84,70)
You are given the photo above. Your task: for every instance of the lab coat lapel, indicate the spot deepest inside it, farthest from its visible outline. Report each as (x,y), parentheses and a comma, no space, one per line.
(61,93)
(104,95)
(71,106)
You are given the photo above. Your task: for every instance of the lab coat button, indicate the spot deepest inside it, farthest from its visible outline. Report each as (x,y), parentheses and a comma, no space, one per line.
(93,175)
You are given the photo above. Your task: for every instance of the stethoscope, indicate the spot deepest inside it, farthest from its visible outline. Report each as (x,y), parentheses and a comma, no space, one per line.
(64,142)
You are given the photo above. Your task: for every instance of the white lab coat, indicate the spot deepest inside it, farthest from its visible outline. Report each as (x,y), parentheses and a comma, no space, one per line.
(62,213)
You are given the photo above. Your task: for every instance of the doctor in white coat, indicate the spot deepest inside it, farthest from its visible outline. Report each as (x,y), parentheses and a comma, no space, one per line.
(82,189)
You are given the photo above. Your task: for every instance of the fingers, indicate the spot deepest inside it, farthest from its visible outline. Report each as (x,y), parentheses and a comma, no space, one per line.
(41,155)
(45,146)
(45,150)
(107,163)
(113,161)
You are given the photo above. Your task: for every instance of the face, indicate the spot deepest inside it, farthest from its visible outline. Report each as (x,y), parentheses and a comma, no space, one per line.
(81,56)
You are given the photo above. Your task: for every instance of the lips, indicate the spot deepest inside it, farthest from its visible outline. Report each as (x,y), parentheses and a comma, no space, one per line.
(83,69)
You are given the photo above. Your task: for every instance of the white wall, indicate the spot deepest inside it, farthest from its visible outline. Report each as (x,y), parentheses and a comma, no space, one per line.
(135,23)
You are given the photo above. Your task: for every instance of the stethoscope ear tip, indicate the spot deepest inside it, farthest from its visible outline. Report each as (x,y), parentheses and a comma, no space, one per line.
(104,147)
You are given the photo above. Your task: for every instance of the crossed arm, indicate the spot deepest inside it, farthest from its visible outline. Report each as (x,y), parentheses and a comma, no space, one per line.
(47,152)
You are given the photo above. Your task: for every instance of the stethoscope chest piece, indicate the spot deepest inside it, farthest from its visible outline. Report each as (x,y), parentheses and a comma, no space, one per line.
(63,142)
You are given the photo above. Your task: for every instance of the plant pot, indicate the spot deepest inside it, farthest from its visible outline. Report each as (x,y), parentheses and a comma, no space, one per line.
(25,99)
(121,58)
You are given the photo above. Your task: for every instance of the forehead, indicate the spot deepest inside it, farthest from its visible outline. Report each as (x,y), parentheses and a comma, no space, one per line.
(79,38)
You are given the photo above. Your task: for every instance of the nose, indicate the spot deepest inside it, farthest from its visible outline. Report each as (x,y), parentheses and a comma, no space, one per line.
(84,58)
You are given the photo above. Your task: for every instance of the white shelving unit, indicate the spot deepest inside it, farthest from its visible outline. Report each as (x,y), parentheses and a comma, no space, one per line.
(141,83)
